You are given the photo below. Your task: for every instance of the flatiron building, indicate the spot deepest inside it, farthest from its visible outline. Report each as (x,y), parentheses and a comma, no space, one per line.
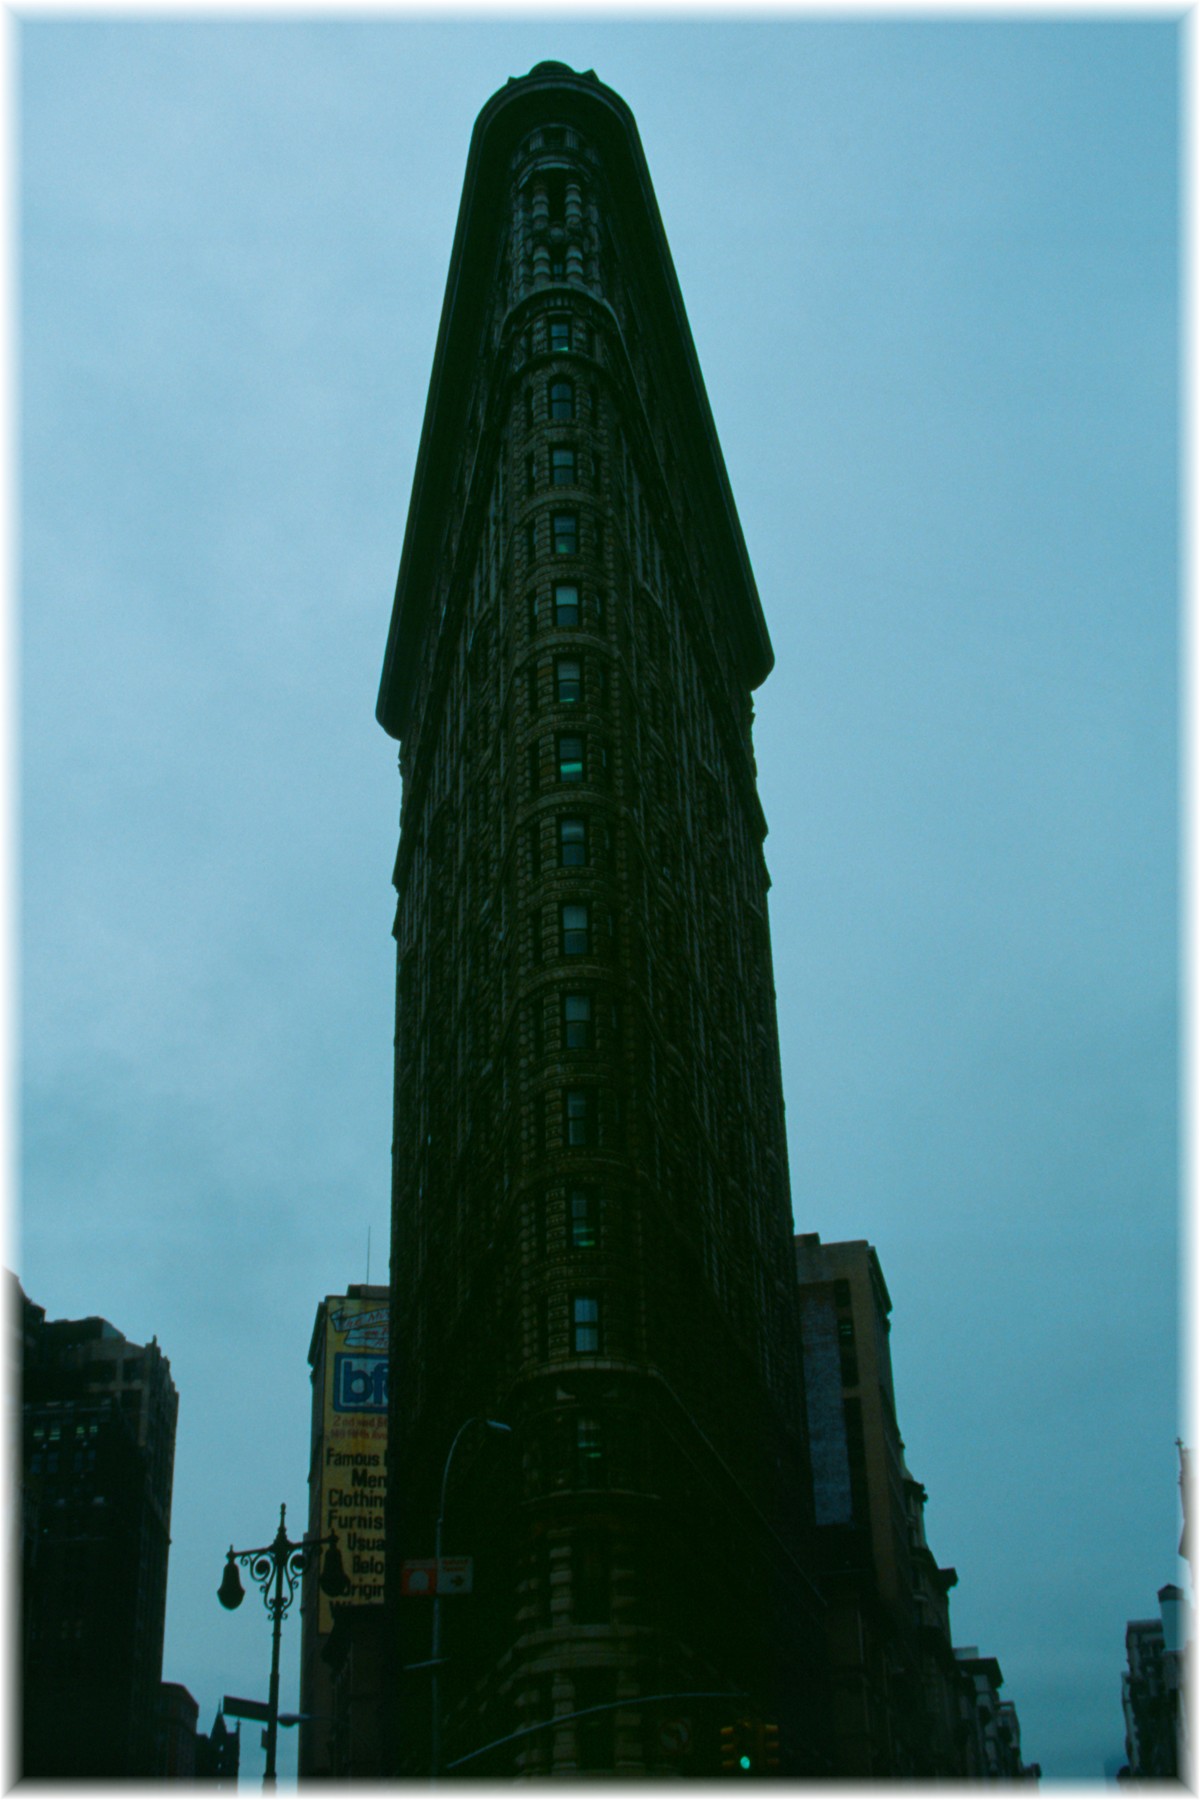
(591,1225)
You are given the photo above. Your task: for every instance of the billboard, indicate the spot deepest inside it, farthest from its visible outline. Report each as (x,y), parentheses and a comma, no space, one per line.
(353,1448)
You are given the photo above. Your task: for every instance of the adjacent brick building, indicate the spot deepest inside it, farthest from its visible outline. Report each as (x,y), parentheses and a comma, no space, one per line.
(896,1684)
(98,1453)
(591,1212)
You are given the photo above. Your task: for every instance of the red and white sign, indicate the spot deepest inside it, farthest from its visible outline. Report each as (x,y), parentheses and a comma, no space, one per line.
(424,1577)
(455,1575)
(418,1577)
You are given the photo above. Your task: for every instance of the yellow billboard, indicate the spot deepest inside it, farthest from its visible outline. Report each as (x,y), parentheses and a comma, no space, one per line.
(353,1447)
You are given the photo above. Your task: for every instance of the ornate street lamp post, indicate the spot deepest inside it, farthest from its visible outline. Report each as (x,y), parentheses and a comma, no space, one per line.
(271,1566)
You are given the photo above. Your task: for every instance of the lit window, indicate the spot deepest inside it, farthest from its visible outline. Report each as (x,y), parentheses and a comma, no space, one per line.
(570,759)
(560,334)
(566,534)
(568,672)
(577,1021)
(562,400)
(566,603)
(578,1113)
(576,930)
(583,1219)
(572,843)
(585,1322)
(589,1451)
(562,466)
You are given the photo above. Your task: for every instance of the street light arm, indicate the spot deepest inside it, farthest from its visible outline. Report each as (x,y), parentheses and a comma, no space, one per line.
(435,1658)
(475,1419)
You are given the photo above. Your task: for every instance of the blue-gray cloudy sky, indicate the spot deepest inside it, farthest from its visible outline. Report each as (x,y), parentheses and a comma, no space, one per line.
(931,269)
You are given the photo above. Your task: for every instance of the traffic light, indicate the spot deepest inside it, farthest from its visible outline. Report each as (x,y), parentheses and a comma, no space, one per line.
(738,1748)
(749,1747)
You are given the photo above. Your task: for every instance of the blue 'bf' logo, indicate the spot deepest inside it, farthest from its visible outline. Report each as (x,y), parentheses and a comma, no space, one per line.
(359,1383)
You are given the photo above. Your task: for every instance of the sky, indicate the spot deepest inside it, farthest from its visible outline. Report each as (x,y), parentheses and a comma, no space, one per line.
(932,271)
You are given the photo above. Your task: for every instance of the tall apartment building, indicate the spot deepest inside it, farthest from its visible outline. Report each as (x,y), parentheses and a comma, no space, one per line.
(1154,1691)
(98,1431)
(591,1211)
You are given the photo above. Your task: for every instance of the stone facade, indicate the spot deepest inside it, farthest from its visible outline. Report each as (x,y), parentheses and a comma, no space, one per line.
(897,1687)
(591,1213)
(98,1443)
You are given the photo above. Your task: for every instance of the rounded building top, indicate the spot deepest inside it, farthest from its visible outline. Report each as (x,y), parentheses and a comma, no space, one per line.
(552,68)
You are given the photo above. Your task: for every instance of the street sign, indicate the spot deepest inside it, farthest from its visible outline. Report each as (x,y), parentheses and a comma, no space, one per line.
(456,1575)
(423,1576)
(245,1709)
(418,1577)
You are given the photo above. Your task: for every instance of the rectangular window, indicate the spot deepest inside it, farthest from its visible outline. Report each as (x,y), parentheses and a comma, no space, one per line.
(533,613)
(534,769)
(532,686)
(585,1324)
(570,759)
(572,843)
(530,474)
(595,1732)
(531,539)
(579,1113)
(568,673)
(535,935)
(584,1218)
(562,401)
(562,466)
(589,1451)
(566,534)
(535,849)
(566,603)
(576,930)
(577,1021)
(560,334)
